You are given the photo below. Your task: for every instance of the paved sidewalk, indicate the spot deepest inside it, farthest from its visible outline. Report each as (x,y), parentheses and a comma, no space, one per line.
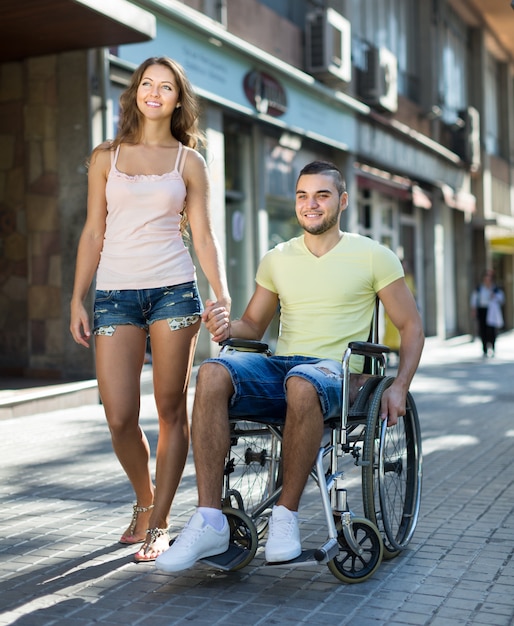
(64,501)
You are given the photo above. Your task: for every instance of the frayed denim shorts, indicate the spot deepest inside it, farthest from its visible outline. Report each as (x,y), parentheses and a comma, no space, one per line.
(260,383)
(180,305)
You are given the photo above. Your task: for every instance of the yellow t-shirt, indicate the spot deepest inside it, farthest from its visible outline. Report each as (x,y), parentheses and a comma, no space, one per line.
(326,302)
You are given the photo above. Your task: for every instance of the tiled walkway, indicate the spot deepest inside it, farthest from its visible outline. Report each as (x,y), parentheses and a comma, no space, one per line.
(64,502)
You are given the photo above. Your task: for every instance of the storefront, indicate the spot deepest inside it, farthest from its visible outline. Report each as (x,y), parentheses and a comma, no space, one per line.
(411,195)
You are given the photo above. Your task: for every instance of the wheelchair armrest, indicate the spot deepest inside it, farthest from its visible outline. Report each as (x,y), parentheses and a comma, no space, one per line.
(246,345)
(366,348)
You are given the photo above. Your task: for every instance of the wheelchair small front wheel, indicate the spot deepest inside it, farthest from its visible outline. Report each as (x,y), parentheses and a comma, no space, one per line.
(350,567)
(243,534)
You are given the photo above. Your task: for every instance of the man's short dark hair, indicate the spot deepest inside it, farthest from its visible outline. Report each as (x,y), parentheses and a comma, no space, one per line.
(325,167)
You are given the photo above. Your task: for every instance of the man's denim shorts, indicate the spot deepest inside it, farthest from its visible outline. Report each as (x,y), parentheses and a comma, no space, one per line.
(181,305)
(260,383)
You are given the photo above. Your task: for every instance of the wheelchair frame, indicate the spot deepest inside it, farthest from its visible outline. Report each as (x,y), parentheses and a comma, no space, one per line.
(391,463)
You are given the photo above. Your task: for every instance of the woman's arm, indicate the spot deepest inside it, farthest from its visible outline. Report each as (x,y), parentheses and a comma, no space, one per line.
(90,245)
(204,240)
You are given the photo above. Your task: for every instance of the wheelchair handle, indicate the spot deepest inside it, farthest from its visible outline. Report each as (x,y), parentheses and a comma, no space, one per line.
(366,348)
(246,345)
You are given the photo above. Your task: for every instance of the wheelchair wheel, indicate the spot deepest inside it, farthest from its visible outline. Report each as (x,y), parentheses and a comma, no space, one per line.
(253,471)
(391,473)
(355,568)
(242,534)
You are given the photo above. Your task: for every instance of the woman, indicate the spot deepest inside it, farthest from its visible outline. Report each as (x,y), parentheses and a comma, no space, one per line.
(141,188)
(486,303)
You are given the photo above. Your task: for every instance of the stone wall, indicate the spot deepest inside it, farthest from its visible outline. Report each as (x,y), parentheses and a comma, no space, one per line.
(14,345)
(34,107)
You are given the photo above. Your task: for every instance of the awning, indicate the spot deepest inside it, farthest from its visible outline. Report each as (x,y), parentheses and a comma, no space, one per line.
(31,28)
(421,198)
(392,185)
(505,245)
(460,200)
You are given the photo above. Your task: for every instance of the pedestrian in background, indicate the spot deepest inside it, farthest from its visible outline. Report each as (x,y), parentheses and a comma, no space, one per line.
(143,188)
(486,303)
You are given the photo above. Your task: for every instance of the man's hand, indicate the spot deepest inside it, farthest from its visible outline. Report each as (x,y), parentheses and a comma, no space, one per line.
(393,404)
(216,318)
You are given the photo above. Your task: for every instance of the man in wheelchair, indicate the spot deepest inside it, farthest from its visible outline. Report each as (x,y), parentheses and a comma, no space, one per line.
(326,283)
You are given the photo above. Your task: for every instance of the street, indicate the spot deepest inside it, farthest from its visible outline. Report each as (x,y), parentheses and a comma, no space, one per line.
(65,501)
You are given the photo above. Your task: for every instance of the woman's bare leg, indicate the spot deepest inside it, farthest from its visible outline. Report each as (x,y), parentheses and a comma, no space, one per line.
(119,360)
(172,360)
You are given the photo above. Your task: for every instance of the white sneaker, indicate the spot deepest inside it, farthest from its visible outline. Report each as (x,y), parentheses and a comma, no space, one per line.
(196,541)
(284,536)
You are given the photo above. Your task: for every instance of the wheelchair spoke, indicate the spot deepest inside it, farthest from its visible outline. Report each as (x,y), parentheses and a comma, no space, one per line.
(253,472)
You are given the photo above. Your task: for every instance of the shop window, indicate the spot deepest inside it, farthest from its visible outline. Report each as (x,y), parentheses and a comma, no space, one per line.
(239,213)
(119,79)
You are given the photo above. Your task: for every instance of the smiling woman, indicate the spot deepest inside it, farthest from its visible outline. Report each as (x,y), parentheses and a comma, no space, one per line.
(143,187)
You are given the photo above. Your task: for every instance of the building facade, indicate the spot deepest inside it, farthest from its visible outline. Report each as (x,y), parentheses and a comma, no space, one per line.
(414,101)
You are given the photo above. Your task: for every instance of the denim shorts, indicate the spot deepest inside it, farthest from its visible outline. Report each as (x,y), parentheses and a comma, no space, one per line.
(179,304)
(260,383)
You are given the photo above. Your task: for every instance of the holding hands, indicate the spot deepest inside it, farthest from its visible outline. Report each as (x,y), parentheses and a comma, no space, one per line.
(216,318)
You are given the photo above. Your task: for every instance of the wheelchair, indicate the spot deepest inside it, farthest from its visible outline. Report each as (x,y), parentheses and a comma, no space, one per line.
(390,459)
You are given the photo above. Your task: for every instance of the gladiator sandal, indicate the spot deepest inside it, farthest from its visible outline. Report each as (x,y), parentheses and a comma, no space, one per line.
(157,542)
(128,538)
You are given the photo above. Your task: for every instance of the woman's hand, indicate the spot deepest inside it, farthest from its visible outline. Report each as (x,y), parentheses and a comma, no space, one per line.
(79,324)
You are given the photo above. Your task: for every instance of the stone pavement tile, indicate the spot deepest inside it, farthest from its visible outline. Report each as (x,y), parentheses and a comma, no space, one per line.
(498,603)
(413,619)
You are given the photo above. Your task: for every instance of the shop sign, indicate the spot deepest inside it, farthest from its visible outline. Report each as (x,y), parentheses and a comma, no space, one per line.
(265,93)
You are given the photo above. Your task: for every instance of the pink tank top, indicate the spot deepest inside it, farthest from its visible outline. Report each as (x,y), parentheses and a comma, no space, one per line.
(143,246)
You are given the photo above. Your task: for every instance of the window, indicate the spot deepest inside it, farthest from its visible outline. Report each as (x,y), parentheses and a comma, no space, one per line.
(119,80)
(292,10)
(492,106)
(453,86)
(216,10)
(392,24)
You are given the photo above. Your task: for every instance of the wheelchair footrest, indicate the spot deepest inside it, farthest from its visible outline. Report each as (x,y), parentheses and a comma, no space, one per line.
(306,558)
(227,560)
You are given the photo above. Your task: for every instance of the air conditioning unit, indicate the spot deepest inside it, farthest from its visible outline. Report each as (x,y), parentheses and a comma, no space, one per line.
(466,138)
(328,46)
(378,82)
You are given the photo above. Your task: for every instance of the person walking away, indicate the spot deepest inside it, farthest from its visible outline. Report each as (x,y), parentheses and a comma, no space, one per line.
(486,302)
(143,188)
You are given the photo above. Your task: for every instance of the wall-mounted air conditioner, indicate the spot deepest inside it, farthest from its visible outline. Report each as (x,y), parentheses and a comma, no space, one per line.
(378,81)
(466,138)
(328,46)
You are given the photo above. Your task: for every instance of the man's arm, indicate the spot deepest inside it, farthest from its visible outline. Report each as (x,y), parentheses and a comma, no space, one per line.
(401,307)
(253,323)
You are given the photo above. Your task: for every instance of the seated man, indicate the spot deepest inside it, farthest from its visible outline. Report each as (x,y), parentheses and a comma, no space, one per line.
(326,282)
